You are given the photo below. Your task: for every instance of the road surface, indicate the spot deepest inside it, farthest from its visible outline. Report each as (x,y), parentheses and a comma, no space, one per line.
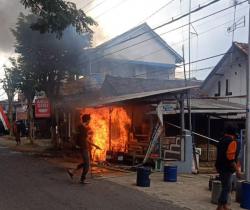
(30,183)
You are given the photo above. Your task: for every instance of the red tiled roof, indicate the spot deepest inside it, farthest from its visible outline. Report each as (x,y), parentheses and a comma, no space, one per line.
(242,46)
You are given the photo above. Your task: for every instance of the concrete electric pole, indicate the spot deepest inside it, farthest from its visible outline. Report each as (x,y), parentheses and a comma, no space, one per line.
(248,109)
(245,189)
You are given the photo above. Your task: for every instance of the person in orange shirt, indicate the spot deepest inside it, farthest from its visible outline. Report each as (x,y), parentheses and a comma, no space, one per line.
(226,164)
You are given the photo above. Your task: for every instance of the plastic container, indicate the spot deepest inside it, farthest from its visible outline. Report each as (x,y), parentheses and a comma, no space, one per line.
(216,191)
(245,196)
(238,191)
(170,174)
(143,177)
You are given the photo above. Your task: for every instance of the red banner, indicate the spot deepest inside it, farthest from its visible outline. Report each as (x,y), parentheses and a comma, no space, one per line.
(4,119)
(42,108)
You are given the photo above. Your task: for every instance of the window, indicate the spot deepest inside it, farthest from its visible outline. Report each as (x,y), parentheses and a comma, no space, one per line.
(227,88)
(219,88)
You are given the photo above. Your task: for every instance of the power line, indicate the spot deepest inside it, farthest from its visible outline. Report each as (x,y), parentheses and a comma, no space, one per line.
(196,61)
(115,6)
(204,59)
(201,33)
(199,19)
(148,16)
(209,67)
(87,4)
(197,70)
(181,42)
(166,23)
(157,11)
(94,7)
(193,70)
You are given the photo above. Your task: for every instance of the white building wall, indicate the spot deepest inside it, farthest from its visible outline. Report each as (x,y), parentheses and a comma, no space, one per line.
(235,72)
(144,48)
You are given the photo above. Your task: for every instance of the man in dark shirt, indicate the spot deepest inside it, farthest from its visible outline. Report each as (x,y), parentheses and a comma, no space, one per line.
(226,165)
(83,142)
(17,131)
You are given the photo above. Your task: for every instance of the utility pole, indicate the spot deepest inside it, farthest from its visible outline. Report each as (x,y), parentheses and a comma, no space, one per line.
(245,189)
(189,61)
(248,109)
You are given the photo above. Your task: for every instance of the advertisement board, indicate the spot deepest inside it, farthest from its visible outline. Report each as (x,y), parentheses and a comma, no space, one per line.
(21,113)
(42,108)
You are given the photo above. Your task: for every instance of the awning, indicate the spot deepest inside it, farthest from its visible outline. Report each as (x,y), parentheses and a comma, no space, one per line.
(135,96)
(210,106)
(83,101)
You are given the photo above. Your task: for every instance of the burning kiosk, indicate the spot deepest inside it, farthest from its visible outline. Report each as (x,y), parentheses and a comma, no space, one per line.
(122,125)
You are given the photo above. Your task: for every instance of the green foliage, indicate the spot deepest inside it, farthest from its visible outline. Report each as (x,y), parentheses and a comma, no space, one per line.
(54,16)
(46,61)
(11,79)
(10,86)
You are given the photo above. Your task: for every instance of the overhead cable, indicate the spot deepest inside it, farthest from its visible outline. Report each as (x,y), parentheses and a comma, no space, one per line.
(99,4)
(106,11)
(157,11)
(135,44)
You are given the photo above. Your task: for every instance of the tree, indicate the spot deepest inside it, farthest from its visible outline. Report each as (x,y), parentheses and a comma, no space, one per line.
(47,61)
(10,86)
(54,16)
(28,86)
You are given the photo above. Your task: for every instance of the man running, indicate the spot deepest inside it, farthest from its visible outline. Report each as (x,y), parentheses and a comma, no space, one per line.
(83,141)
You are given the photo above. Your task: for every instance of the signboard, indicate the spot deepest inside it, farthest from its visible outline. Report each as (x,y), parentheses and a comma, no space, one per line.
(21,113)
(42,108)
(168,108)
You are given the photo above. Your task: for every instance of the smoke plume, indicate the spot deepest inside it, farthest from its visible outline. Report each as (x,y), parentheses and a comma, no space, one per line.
(9,11)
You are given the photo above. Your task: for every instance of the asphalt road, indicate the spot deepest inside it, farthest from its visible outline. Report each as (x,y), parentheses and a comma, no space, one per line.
(28,183)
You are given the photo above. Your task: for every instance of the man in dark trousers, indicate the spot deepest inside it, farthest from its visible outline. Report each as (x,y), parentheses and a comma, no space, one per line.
(226,164)
(83,141)
(17,131)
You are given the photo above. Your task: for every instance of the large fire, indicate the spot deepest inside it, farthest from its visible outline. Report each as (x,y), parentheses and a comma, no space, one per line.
(110,130)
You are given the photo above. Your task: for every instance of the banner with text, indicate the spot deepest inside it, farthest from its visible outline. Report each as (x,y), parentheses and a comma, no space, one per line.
(42,108)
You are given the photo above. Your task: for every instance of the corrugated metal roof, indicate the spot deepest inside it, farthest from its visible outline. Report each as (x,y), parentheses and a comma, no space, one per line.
(210,106)
(134,96)
(114,86)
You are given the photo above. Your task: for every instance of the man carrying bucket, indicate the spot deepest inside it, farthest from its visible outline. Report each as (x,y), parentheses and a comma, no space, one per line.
(226,165)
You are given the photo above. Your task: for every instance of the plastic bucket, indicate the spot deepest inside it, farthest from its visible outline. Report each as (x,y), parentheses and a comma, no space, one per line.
(143,177)
(170,173)
(216,191)
(238,193)
(245,195)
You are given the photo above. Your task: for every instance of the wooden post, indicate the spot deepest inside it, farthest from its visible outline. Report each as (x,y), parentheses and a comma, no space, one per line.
(208,133)
(110,142)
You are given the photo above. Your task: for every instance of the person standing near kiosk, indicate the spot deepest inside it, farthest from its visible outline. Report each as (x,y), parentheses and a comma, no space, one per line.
(226,164)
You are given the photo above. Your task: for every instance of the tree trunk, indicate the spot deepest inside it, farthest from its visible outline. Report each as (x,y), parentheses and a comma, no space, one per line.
(54,125)
(31,121)
(10,115)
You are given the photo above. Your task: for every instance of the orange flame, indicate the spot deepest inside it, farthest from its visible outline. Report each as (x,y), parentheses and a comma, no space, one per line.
(110,128)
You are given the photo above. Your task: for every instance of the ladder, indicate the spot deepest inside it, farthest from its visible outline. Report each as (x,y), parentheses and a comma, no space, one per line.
(153,140)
